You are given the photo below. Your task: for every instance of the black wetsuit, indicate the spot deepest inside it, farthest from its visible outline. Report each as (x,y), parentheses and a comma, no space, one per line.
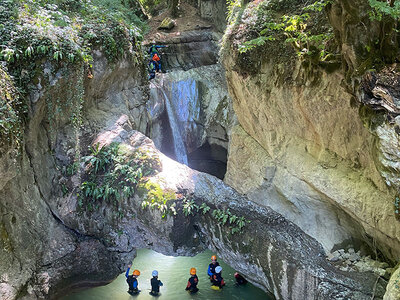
(240,279)
(133,284)
(217,280)
(155,285)
(192,284)
(211,268)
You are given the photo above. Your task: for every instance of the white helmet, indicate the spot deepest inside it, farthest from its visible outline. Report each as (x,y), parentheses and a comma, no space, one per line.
(154,273)
(218,269)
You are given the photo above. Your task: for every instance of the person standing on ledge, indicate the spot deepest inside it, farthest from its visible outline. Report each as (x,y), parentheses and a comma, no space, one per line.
(155,284)
(132,280)
(212,266)
(192,282)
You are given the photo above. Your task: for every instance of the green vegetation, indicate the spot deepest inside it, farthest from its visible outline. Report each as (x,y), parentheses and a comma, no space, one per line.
(64,33)
(10,108)
(113,173)
(189,206)
(222,216)
(384,8)
(397,207)
(234,222)
(157,198)
(296,29)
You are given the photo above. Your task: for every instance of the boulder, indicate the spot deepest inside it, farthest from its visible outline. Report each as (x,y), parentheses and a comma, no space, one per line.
(167,24)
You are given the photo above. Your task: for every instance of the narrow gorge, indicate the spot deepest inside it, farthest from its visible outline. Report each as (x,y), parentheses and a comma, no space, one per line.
(271,137)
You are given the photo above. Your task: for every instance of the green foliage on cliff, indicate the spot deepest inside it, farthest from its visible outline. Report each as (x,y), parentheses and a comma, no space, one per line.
(10,108)
(384,8)
(297,30)
(111,173)
(65,30)
(159,199)
(64,33)
(223,217)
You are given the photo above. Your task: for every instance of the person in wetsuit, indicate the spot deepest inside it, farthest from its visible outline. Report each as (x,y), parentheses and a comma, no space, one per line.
(192,282)
(217,280)
(240,279)
(155,284)
(212,266)
(155,55)
(132,280)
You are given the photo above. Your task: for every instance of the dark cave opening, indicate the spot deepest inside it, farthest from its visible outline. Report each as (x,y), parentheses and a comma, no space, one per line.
(209,158)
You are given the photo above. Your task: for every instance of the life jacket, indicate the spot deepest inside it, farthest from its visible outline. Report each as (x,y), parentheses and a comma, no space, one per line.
(211,267)
(156,57)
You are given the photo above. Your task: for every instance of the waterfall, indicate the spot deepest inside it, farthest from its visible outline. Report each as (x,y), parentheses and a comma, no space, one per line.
(181,100)
(179,145)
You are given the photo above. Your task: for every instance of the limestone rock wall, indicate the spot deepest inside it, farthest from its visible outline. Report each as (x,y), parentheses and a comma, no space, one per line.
(302,147)
(39,251)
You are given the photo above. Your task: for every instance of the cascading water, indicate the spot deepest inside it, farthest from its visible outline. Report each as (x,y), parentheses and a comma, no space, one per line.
(182,104)
(179,145)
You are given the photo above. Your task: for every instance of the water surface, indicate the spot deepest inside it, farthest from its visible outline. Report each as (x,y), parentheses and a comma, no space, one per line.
(174,273)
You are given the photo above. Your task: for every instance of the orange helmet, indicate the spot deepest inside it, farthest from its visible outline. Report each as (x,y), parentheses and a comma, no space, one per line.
(193,271)
(136,272)
(214,257)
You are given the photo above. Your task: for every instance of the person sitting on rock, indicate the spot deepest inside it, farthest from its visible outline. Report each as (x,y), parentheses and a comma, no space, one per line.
(192,282)
(132,280)
(212,266)
(240,279)
(217,280)
(155,284)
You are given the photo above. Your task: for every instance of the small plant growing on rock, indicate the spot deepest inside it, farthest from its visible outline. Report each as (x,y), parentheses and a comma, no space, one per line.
(204,208)
(236,223)
(397,206)
(157,198)
(189,206)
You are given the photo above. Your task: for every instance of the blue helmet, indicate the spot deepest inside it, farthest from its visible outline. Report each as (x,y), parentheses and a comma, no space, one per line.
(154,273)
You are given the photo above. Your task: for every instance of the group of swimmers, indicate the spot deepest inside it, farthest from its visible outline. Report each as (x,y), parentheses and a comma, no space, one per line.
(214,272)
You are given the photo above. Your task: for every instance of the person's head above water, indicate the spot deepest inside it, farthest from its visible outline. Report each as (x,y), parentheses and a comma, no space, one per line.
(136,273)
(193,271)
(154,273)
(214,259)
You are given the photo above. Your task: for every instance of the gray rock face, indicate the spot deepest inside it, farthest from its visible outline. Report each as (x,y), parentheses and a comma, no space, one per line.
(302,148)
(215,11)
(190,49)
(39,251)
(393,290)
